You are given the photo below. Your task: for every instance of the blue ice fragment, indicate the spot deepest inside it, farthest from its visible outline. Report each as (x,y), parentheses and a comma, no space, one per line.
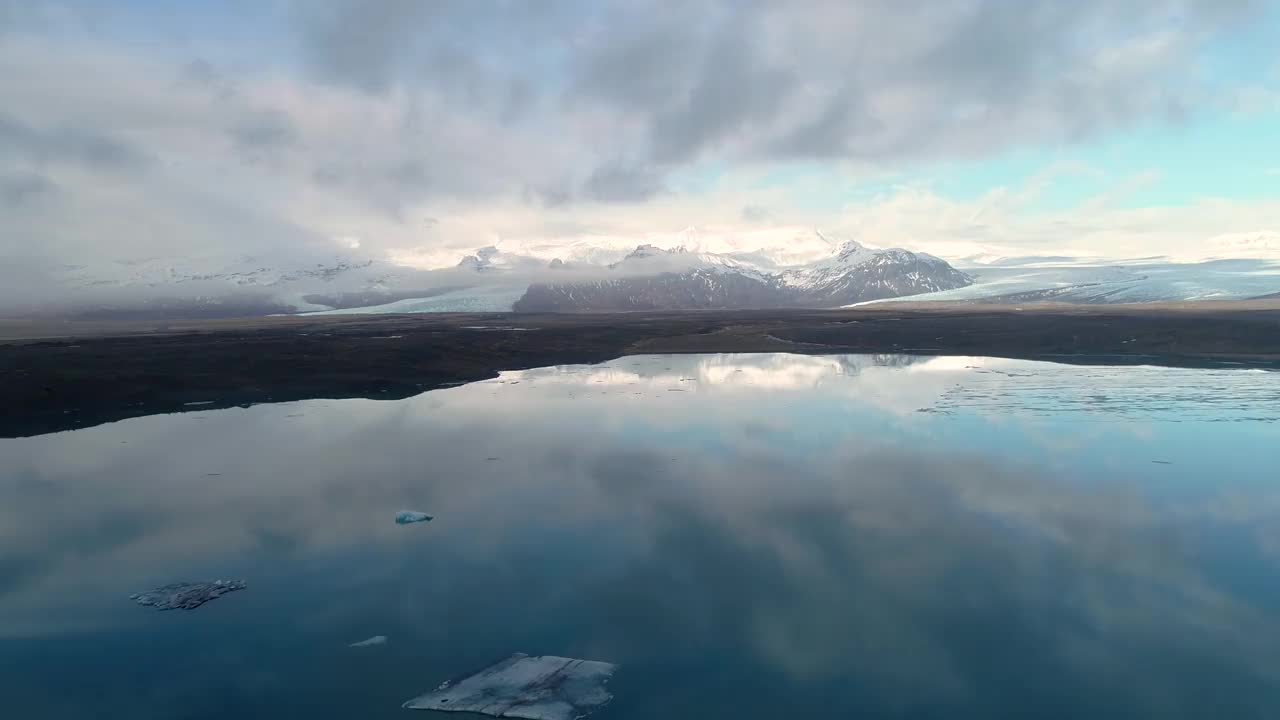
(404,517)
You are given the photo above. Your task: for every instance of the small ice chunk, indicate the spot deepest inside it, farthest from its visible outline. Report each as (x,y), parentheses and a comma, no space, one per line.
(404,517)
(535,688)
(375,640)
(186,595)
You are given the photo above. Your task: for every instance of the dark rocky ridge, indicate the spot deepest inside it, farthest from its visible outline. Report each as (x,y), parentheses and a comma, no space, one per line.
(892,273)
(695,290)
(854,275)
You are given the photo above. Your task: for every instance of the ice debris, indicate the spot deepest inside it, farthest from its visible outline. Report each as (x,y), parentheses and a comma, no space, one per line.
(375,640)
(186,595)
(535,688)
(405,517)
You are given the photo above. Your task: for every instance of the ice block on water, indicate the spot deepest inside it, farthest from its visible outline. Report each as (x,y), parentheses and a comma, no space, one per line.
(186,595)
(404,517)
(535,688)
(375,640)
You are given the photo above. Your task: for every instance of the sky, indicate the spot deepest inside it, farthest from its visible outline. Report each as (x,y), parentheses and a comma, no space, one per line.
(417,131)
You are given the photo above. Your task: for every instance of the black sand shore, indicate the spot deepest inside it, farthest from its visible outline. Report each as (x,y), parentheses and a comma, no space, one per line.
(67,375)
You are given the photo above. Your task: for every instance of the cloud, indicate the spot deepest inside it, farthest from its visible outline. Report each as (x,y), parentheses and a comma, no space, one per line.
(616,183)
(200,73)
(17,189)
(874,80)
(474,52)
(520,120)
(358,43)
(264,131)
(68,144)
(888,81)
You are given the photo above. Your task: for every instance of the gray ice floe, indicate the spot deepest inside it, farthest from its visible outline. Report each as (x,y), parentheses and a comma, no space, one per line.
(375,640)
(186,595)
(544,687)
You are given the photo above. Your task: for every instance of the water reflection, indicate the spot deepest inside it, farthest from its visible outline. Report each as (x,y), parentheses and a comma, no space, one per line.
(751,536)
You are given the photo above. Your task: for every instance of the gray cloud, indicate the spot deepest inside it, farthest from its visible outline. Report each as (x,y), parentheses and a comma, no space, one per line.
(359,43)
(470,48)
(620,183)
(888,81)
(642,66)
(201,73)
(733,88)
(550,195)
(264,131)
(609,182)
(24,188)
(75,145)
(876,81)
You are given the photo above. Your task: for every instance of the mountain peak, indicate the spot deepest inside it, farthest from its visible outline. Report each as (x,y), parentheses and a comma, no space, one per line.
(850,248)
(482,260)
(648,250)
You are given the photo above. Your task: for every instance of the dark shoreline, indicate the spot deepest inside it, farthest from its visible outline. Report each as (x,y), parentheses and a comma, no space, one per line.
(64,376)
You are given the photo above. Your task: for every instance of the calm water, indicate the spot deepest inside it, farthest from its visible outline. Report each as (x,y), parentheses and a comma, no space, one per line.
(758,536)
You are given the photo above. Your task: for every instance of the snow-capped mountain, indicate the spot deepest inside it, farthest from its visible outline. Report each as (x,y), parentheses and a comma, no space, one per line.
(653,260)
(857,273)
(682,280)
(495,278)
(490,259)
(772,248)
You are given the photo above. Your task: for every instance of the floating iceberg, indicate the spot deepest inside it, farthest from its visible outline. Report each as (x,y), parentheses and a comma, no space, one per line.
(535,688)
(404,517)
(186,595)
(375,640)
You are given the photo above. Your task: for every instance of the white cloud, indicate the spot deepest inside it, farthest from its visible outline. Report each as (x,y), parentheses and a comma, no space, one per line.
(115,153)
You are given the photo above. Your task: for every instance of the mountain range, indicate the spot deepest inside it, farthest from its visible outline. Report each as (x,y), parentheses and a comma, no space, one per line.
(651,278)
(812,271)
(493,279)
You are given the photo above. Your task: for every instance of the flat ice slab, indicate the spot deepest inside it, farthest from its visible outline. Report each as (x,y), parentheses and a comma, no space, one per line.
(375,640)
(545,687)
(405,517)
(186,595)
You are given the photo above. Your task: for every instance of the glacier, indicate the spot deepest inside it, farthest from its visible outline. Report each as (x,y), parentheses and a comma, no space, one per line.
(1137,282)
(475,299)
